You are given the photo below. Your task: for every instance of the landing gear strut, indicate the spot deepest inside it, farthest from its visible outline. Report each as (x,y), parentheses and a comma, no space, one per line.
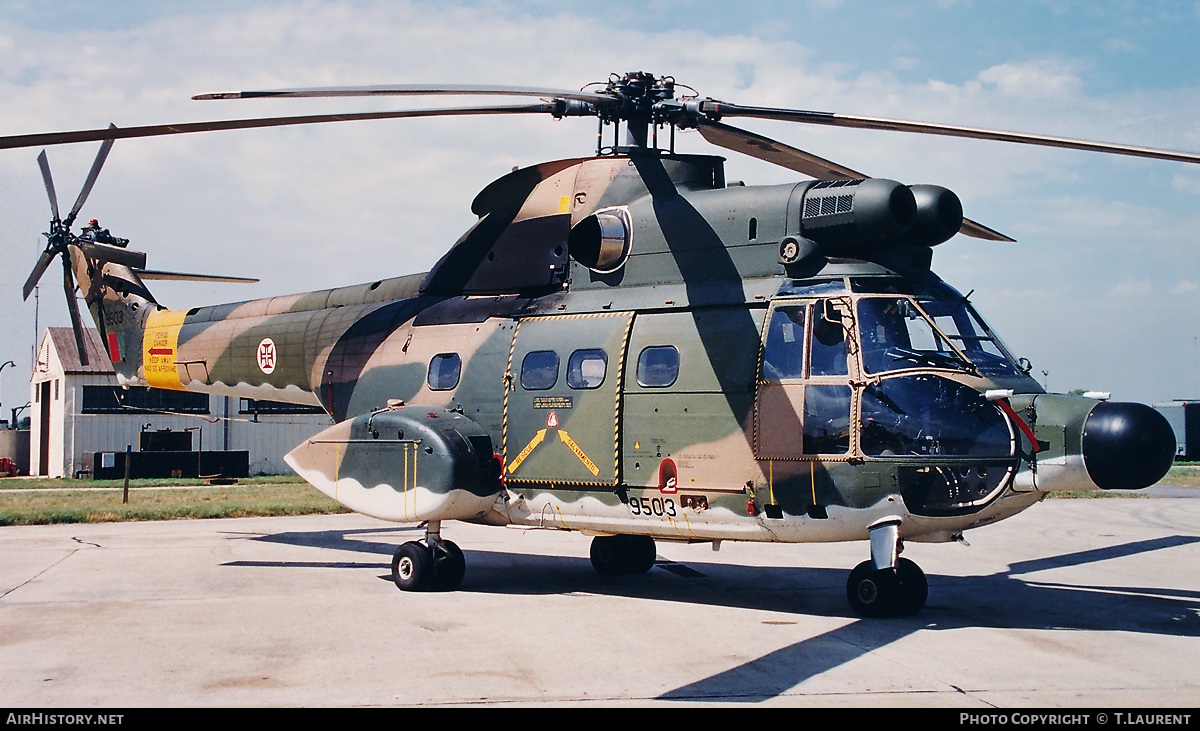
(621,554)
(435,565)
(887,585)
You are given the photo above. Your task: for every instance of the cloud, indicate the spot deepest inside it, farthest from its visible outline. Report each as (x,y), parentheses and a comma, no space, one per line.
(305,208)
(1185,184)
(1038,79)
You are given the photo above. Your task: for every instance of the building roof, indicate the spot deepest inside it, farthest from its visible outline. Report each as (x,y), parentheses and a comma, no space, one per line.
(63,340)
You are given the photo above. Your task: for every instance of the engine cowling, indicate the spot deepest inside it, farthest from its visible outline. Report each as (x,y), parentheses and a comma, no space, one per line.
(874,219)
(408,464)
(939,215)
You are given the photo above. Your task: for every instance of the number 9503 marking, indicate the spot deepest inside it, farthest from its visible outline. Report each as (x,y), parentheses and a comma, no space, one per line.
(661,507)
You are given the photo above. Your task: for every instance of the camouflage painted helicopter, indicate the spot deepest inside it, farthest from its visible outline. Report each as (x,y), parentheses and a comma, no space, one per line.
(627,346)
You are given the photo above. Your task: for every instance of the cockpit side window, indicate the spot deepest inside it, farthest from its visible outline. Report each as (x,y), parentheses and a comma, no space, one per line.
(827,356)
(805,380)
(783,353)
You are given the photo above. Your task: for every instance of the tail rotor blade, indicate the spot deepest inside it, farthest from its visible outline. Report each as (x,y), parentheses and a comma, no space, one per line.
(44,164)
(73,308)
(92,175)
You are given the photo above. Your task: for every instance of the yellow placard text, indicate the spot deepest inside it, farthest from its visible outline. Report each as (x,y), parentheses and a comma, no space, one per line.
(159,349)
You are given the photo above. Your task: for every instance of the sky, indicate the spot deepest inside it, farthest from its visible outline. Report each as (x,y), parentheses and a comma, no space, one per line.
(1100,292)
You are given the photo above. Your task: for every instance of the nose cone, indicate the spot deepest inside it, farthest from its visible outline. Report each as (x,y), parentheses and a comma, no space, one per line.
(1127,446)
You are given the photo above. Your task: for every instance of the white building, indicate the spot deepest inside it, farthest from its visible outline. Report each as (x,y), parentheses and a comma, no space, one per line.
(77,411)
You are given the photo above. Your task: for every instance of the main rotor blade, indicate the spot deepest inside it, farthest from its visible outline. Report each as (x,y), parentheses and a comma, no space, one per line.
(115,254)
(73,308)
(38,270)
(188,277)
(415,90)
(773,151)
(44,164)
(120,133)
(831,119)
(91,178)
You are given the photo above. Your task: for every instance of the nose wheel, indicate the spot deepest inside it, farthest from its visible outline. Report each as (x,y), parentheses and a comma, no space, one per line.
(887,585)
(432,565)
(890,592)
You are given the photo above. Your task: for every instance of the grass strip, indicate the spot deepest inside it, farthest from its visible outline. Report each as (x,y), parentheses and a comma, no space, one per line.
(42,502)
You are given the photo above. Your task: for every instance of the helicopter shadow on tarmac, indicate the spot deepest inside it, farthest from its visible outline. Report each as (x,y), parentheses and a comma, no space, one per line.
(1002,600)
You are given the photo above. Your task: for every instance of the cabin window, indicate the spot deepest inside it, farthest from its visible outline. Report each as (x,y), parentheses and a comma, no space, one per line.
(444,370)
(586,368)
(783,354)
(539,370)
(658,366)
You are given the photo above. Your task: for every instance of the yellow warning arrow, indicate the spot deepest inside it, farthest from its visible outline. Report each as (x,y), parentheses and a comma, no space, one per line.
(537,439)
(566,439)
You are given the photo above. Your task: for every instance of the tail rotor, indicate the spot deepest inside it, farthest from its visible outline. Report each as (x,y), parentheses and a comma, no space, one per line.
(94,244)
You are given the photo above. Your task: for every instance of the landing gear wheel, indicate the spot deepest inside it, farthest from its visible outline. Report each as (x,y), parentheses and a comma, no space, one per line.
(449,566)
(913,587)
(641,554)
(412,567)
(870,590)
(606,555)
(887,592)
(615,555)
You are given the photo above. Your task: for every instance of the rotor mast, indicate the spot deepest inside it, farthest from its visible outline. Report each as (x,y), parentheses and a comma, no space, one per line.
(640,96)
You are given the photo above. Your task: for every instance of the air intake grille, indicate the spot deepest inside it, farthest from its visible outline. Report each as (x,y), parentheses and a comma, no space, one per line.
(827,205)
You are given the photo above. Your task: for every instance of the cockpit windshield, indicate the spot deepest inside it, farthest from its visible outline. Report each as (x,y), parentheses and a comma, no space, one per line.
(902,332)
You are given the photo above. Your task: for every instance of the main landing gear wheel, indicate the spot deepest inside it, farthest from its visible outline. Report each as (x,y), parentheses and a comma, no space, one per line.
(890,592)
(615,555)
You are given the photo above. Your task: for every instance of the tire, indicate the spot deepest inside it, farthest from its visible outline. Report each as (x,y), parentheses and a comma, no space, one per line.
(642,554)
(901,591)
(623,554)
(913,587)
(412,567)
(606,555)
(449,567)
(872,593)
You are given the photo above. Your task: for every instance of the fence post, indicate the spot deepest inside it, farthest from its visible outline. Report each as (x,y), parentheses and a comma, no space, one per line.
(125,497)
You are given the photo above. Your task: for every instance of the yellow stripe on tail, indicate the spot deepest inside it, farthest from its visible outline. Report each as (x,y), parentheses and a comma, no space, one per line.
(159,349)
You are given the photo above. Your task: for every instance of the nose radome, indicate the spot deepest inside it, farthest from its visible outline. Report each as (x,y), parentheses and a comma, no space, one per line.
(1127,446)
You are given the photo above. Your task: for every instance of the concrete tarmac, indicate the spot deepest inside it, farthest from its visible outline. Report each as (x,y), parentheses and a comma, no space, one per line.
(1072,604)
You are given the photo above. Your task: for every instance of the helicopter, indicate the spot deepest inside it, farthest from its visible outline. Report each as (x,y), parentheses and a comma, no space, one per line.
(629,346)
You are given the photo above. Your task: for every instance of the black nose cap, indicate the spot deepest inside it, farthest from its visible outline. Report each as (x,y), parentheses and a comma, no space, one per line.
(1127,446)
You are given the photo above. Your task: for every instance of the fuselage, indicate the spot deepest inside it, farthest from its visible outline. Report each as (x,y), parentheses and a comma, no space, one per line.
(642,356)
